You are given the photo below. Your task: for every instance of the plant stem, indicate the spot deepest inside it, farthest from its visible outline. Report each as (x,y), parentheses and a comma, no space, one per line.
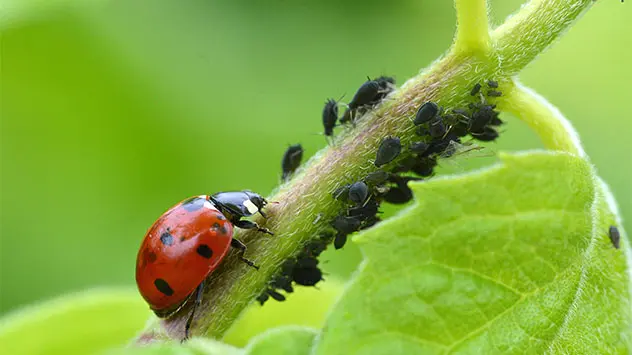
(555,131)
(472,34)
(537,25)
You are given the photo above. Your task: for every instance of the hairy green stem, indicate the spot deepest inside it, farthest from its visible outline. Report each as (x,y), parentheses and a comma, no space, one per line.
(472,34)
(304,206)
(545,119)
(537,25)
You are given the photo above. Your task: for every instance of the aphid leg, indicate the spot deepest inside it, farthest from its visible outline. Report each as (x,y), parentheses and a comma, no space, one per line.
(196,303)
(245,224)
(241,249)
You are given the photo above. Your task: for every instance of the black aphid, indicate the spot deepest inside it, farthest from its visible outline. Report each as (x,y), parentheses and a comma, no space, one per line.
(437,128)
(345,225)
(475,89)
(422,131)
(291,160)
(263,297)
(358,192)
(492,84)
(426,112)
(389,150)
(307,276)
(368,210)
(277,296)
(398,194)
(365,95)
(376,177)
(494,93)
(330,116)
(615,236)
(342,193)
(340,241)
(489,134)
(425,166)
(419,147)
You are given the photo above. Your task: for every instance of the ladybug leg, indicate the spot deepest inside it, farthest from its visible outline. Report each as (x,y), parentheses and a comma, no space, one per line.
(245,224)
(241,249)
(198,301)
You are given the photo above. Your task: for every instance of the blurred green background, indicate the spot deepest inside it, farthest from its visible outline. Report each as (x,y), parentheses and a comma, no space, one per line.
(112,111)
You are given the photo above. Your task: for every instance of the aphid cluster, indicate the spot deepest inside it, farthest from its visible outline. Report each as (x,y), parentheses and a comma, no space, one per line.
(439,131)
(369,95)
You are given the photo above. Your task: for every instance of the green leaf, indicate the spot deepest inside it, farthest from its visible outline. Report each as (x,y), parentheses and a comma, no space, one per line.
(283,341)
(195,346)
(82,323)
(513,259)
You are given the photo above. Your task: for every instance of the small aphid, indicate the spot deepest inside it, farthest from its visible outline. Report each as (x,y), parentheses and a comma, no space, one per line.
(345,225)
(307,276)
(358,192)
(489,134)
(459,129)
(369,209)
(342,193)
(424,167)
(475,89)
(291,160)
(376,177)
(463,113)
(330,116)
(277,296)
(365,94)
(263,297)
(426,112)
(283,282)
(422,131)
(481,118)
(387,84)
(389,150)
(419,147)
(492,84)
(494,93)
(399,194)
(340,241)
(437,128)
(615,236)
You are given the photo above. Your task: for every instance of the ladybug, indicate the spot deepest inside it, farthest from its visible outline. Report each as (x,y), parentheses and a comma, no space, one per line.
(187,243)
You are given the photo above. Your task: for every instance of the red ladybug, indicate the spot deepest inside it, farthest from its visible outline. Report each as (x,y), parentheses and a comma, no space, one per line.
(187,243)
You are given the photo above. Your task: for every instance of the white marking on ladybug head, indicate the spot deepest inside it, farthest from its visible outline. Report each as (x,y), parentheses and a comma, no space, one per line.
(210,205)
(251,207)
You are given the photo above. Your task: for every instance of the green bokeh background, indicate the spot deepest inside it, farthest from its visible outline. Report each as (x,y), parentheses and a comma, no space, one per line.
(112,111)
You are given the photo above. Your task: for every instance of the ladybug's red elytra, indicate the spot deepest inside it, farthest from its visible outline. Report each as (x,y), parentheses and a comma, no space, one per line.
(187,243)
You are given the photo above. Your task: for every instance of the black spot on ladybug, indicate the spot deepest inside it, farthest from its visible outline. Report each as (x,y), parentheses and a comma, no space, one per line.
(615,236)
(204,251)
(163,287)
(220,217)
(166,238)
(182,239)
(426,112)
(215,226)
(150,256)
(223,230)
(193,204)
(389,150)
(475,89)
